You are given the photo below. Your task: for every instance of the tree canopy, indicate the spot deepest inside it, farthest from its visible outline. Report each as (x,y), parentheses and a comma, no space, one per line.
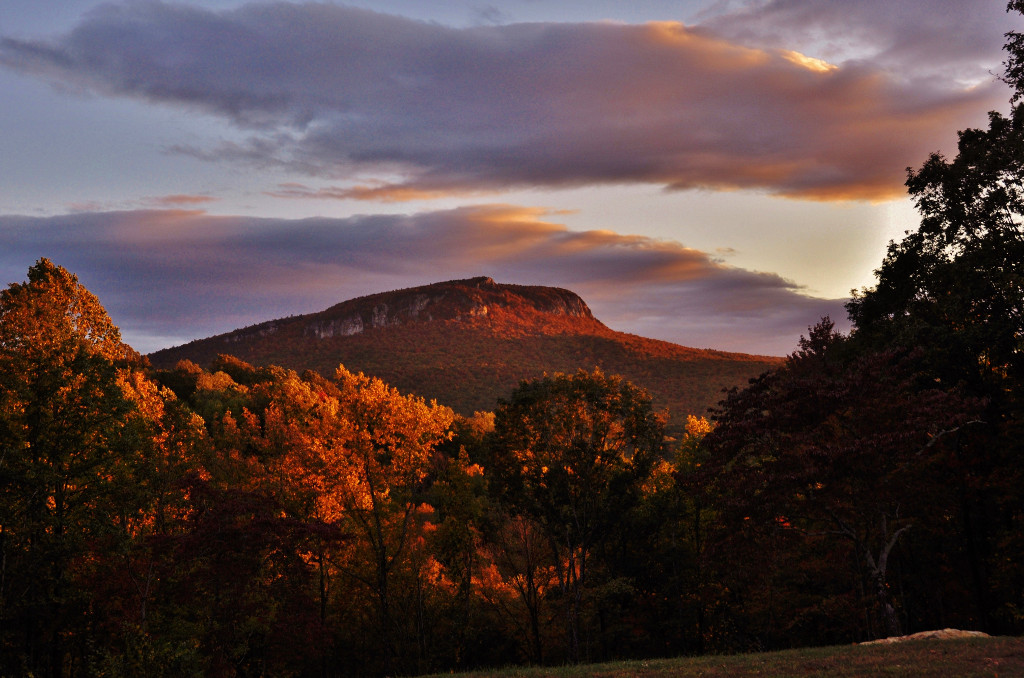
(572,453)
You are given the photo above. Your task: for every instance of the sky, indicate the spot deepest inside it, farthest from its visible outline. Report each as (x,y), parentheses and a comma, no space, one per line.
(716,173)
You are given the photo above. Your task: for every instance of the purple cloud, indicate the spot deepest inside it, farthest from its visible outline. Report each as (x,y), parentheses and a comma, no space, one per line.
(170,276)
(947,39)
(412,108)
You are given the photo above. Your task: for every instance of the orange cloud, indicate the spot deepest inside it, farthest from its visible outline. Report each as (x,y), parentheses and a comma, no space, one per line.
(378,192)
(178,200)
(810,63)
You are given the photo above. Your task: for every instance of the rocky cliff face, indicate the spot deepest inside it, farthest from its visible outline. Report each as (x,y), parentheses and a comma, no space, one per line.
(455,300)
(513,310)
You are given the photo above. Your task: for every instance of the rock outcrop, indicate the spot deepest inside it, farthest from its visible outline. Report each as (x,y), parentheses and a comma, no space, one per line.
(448,301)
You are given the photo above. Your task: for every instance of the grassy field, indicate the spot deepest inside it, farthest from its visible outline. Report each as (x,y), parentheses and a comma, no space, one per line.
(967,658)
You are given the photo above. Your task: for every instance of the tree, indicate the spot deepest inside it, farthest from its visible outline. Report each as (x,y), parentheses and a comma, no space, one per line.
(161,443)
(246,578)
(61,413)
(570,453)
(955,285)
(836,447)
(690,518)
(285,443)
(458,495)
(386,443)
(953,290)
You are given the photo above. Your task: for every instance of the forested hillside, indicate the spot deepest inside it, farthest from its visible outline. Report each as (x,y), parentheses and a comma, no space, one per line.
(467,343)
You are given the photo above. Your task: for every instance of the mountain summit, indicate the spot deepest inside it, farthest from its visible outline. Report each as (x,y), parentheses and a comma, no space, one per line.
(469,342)
(530,309)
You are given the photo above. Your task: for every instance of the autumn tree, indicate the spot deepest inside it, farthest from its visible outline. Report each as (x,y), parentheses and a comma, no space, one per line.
(302,440)
(250,552)
(274,436)
(387,446)
(570,453)
(162,442)
(674,586)
(466,631)
(61,418)
(334,475)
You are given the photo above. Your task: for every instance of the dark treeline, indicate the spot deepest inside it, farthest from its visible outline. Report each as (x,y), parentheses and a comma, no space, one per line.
(232,520)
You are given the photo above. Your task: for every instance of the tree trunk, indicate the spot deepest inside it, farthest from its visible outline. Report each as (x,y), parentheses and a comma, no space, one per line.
(878,575)
(889,616)
(323,614)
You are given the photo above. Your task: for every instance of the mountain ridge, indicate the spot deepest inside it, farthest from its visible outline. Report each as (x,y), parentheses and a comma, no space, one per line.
(468,342)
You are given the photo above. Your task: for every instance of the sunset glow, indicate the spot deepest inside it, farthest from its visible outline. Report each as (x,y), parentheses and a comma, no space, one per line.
(398,115)
(810,63)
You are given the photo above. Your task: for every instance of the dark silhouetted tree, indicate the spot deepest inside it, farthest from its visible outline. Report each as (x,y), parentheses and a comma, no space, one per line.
(834,449)
(953,291)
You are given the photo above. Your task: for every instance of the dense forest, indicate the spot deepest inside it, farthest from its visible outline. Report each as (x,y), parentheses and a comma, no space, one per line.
(232,520)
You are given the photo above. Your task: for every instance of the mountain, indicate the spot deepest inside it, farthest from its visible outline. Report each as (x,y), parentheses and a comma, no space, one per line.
(469,342)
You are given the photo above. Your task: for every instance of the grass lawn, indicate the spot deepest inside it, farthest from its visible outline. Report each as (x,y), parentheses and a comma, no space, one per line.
(961,658)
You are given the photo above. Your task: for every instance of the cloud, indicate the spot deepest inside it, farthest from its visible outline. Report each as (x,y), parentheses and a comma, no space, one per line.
(177,200)
(376,191)
(392,107)
(170,276)
(912,39)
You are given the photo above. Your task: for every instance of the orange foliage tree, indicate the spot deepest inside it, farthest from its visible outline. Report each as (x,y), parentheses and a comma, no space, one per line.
(389,441)
(61,421)
(572,453)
